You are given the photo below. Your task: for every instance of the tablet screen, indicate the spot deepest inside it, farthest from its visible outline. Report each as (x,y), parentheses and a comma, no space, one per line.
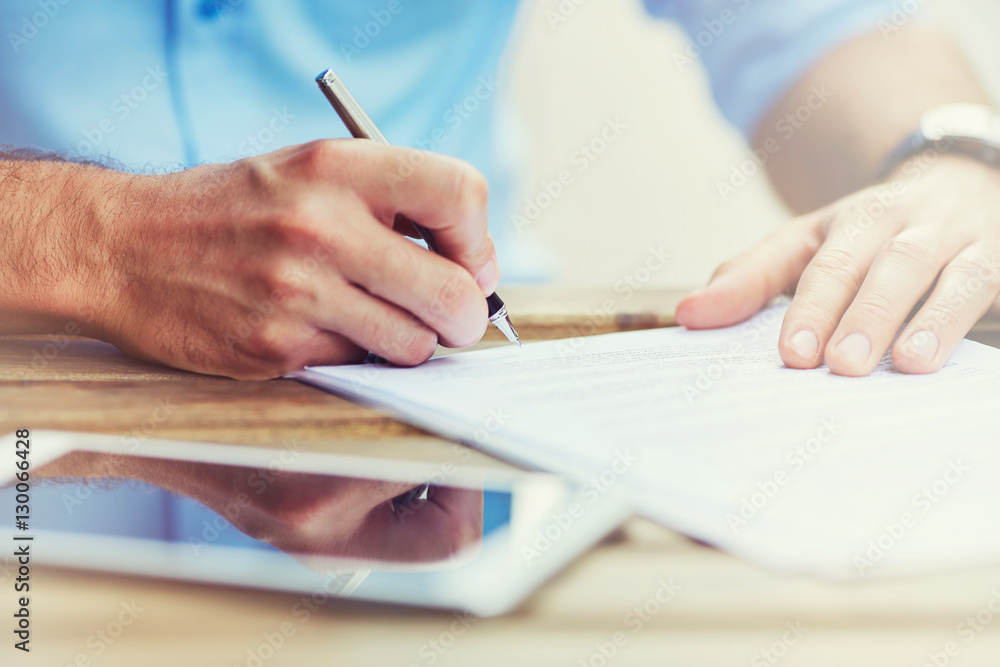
(472,545)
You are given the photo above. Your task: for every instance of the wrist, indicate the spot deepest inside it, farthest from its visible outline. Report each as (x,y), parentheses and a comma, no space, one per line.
(54,257)
(98,224)
(969,130)
(934,162)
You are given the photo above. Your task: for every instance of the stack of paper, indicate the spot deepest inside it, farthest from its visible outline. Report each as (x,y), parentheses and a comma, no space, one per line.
(713,436)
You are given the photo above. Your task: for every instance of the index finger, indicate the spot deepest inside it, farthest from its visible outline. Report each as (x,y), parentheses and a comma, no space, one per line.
(747,283)
(448,521)
(446,195)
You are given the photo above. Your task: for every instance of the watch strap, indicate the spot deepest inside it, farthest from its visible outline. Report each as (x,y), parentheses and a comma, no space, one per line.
(963,129)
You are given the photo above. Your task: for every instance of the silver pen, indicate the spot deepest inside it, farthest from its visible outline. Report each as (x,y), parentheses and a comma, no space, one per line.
(362,127)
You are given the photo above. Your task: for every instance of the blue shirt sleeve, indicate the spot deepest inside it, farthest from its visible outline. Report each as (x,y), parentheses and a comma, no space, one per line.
(754,50)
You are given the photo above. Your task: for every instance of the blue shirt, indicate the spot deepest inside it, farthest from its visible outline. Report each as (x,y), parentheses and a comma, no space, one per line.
(754,50)
(164,85)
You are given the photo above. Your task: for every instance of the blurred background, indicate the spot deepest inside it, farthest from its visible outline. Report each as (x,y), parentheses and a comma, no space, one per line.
(657,184)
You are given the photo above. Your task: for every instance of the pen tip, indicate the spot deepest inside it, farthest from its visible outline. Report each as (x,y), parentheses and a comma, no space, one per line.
(502,322)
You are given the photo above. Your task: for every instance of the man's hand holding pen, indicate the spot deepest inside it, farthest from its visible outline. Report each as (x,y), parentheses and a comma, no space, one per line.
(260,267)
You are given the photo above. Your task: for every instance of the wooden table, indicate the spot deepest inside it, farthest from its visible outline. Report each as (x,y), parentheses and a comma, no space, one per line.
(726,612)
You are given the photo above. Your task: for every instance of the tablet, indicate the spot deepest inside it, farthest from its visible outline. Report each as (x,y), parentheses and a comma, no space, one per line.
(444,535)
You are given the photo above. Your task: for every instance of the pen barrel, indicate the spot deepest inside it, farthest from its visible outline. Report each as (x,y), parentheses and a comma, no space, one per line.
(359,123)
(362,126)
(425,234)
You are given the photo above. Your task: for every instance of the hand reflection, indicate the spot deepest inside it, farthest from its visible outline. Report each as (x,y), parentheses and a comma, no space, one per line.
(308,514)
(353,518)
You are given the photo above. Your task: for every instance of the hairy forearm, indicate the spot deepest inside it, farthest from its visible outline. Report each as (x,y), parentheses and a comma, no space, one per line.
(54,241)
(875,90)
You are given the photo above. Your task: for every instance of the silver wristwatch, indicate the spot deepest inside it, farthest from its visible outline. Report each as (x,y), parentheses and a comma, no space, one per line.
(966,129)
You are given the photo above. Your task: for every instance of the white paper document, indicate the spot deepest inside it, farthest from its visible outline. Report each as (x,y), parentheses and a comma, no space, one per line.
(711,435)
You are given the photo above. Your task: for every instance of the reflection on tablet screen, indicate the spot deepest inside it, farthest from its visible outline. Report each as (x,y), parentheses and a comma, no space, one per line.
(361,522)
(438,540)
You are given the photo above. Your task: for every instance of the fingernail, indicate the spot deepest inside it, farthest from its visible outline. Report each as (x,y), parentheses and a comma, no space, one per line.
(489,277)
(923,344)
(804,343)
(855,348)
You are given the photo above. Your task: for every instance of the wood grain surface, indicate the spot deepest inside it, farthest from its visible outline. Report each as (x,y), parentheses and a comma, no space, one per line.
(725,612)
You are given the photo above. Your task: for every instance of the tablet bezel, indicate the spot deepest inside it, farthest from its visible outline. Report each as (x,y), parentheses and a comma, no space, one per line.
(492,583)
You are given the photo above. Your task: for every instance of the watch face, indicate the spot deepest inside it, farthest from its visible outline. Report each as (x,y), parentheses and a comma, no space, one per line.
(962,121)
